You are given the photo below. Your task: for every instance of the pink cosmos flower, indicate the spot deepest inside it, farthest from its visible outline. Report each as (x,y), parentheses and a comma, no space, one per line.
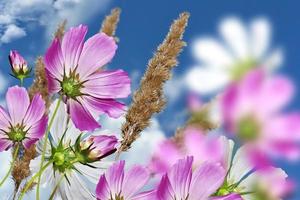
(202,147)
(252,111)
(182,183)
(117,184)
(24,121)
(73,69)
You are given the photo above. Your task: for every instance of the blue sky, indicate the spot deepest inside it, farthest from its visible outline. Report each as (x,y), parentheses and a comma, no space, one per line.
(142,27)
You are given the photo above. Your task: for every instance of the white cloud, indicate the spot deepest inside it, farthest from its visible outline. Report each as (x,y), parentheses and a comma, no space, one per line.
(145,144)
(12,32)
(45,13)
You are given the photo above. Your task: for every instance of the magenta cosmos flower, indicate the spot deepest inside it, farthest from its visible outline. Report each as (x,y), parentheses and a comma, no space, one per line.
(252,111)
(24,121)
(182,183)
(74,70)
(18,65)
(117,184)
(202,147)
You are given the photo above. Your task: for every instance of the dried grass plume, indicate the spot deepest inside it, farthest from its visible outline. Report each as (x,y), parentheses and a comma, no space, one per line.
(149,98)
(110,23)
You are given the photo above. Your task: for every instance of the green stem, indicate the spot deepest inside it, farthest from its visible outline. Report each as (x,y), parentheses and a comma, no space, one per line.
(56,187)
(30,182)
(45,146)
(11,165)
(21,81)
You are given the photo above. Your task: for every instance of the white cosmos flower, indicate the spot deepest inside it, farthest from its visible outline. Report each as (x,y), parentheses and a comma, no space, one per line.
(76,182)
(241,48)
(270,183)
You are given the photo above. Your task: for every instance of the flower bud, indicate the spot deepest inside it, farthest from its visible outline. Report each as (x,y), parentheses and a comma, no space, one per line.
(18,65)
(95,148)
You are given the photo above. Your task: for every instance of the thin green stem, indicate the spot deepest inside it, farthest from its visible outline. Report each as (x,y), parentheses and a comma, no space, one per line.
(30,182)
(45,146)
(11,165)
(21,81)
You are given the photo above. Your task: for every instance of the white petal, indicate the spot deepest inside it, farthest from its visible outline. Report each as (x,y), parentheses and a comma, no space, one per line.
(236,36)
(60,123)
(249,182)
(212,53)
(205,80)
(240,165)
(228,146)
(260,30)
(77,188)
(47,177)
(93,174)
(273,61)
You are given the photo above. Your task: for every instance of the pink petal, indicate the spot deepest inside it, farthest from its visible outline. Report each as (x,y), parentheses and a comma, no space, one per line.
(54,63)
(38,129)
(28,142)
(35,111)
(166,155)
(111,107)
(17,100)
(165,190)
(115,177)
(108,84)
(72,45)
(276,93)
(52,83)
(148,195)
(104,143)
(134,180)
(206,180)
(97,51)
(4,120)
(81,117)
(180,177)
(102,189)
(5,144)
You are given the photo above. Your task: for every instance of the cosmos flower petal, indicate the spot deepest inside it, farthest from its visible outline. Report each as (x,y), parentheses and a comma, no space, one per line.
(260,31)
(4,119)
(81,117)
(148,195)
(208,49)
(205,80)
(35,111)
(76,188)
(54,64)
(5,144)
(108,84)
(97,51)
(279,99)
(72,45)
(165,190)
(93,173)
(236,36)
(104,143)
(38,129)
(102,189)
(52,83)
(206,180)
(17,110)
(134,180)
(28,142)
(115,177)
(111,107)
(180,177)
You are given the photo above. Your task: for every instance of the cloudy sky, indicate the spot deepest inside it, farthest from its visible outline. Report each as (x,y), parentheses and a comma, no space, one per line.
(28,25)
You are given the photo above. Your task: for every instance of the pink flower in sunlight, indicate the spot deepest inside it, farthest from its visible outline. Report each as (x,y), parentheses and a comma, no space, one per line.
(73,69)
(181,182)
(202,147)
(24,121)
(18,65)
(252,112)
(117,184)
